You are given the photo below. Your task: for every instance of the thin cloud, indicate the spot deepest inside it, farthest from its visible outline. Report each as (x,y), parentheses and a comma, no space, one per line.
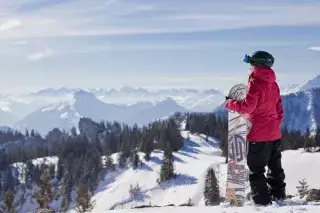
(91,18)
(20,43)
(316,48)
(41,55)
(115,31)
(110,1)
(9,25)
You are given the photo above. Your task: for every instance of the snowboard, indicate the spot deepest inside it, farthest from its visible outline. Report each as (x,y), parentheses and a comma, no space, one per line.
(238,127)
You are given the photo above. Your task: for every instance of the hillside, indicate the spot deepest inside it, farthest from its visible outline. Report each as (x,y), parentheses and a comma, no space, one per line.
(191,164)
(311,84)
(301,110)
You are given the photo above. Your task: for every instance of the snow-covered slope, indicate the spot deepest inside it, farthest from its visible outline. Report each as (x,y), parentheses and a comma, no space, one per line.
(190,164)
(292,88)
(312,84)
(219,209)
(302,110)
(308,85)
(66,114)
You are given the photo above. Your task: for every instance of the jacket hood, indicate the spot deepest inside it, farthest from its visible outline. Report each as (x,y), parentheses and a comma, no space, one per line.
(265,74)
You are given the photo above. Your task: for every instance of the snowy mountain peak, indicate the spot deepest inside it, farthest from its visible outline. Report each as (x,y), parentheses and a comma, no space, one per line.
(55,92)
(292,88)
(212,92)
(312,84)
(128,89)
(66,114)
(167,101)
(81,94)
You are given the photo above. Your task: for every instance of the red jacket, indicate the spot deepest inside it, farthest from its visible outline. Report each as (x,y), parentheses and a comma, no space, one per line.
(263,105)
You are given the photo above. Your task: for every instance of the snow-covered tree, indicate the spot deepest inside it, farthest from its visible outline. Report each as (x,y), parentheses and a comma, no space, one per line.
(211,189)
(44,195)
(83,199)
(167,169)
(9,205)
(302,188)
(135,159)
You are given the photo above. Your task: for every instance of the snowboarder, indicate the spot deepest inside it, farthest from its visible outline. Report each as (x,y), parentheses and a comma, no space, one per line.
(263,105)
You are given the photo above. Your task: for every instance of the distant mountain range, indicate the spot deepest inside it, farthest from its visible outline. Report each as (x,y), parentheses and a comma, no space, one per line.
(66,114)
(63,107)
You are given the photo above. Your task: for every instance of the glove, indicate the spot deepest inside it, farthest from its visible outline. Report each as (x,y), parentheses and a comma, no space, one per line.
(227,98)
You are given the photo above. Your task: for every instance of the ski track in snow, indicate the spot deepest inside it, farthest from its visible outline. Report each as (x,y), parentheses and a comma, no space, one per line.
(312,124)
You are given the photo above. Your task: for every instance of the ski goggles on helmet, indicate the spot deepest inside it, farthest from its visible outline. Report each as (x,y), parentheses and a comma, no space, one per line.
(249,59)
(246,58)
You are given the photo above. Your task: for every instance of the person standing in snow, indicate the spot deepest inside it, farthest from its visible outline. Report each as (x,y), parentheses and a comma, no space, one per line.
(263,105)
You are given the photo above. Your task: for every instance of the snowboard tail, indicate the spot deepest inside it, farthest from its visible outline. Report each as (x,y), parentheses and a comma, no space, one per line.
(237,132)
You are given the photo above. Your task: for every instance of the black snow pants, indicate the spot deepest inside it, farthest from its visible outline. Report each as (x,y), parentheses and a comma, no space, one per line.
(260,155)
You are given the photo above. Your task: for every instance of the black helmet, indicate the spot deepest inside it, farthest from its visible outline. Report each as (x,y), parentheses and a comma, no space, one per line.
(260,59)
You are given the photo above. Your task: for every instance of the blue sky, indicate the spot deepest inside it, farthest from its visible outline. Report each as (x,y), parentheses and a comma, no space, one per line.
(153,43)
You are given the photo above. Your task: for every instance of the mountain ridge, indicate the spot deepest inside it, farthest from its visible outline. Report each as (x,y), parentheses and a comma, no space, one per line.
(66,114)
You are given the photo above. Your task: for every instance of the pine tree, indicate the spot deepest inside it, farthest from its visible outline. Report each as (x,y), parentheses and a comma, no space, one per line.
(148,144)
(66,189)
(302,188)
(83,199)
(29,173)
(109,163)
(64,203)
(121,160)
(44,195)
(135,159)
(309,141)
(211,189)
(74,132)
(147,156)
(32,133)
(173,135)
(9,206)
(52,171)
(27,133)
(60,169)
(167,169)
(317,138)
